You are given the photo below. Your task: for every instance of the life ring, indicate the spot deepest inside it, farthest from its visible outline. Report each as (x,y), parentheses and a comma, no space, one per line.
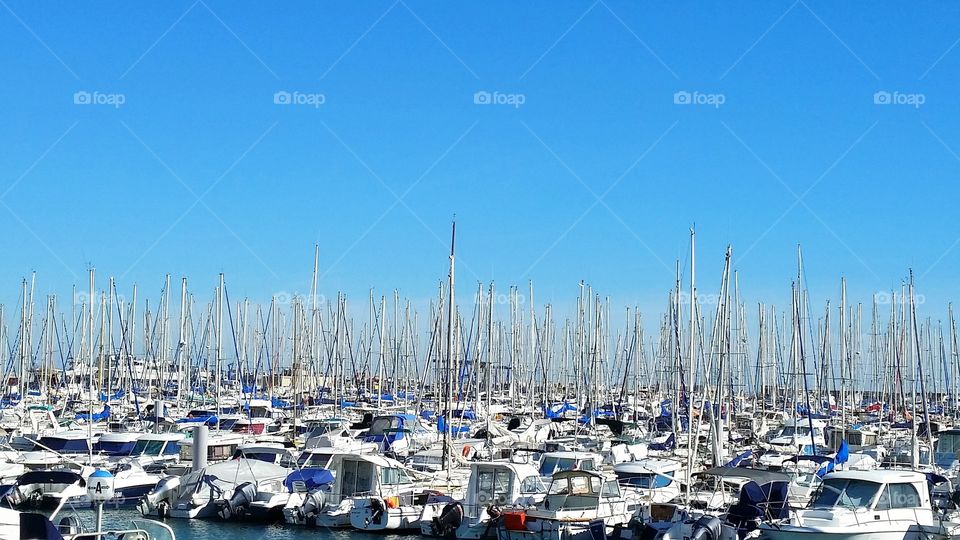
(467,451)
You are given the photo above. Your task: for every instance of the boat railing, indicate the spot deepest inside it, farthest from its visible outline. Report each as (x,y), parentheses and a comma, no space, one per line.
(140,529)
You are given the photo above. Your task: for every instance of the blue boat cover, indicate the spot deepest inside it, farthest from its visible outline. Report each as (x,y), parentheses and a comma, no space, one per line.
(311,477)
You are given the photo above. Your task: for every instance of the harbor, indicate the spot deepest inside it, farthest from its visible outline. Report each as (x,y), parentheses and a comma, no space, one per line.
(474,422)
(502,270)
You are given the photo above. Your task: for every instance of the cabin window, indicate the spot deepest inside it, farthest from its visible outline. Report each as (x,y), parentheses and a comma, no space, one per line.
(587,465)
(390,476)
(493,486)
(576,485)
(220,452)
(898,496)
(532,484)
(610,489)
(348,478)
(171,448)
(842,492)
(357,478)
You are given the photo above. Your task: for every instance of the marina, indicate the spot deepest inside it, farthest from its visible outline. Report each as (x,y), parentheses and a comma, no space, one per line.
(501,270)
(491,424)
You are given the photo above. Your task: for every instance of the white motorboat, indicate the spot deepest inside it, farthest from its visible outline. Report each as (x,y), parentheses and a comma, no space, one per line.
(493,488)
(878,504)
(203,493)
(580,505)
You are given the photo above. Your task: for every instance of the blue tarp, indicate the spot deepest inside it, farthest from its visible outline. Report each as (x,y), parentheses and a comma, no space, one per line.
(208,420)
(842,456)
(116,395)
(312,478)
(557,410)
(442,422)
(735,462)
(103,415)
(665,445)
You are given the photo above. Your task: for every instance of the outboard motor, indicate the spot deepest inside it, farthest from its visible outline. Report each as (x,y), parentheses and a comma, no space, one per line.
(313,504)
(237,504)
(377,508)
(706,528)
(445,525)
(160,498)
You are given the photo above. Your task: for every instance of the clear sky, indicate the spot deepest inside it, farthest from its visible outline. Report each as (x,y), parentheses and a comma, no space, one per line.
(192,138)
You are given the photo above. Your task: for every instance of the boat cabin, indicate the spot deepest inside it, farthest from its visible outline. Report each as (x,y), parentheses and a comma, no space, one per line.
(500,484)
(886,495)
(578,492)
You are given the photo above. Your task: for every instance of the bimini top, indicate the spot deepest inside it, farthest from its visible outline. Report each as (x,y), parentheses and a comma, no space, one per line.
(375,459)
(759,476)
(560,475)
(881,476)
(50,477)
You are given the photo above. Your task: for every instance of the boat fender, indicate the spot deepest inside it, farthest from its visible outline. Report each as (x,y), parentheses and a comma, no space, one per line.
(706,528)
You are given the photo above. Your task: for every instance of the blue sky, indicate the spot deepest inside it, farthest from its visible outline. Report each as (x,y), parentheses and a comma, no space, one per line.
(597,175)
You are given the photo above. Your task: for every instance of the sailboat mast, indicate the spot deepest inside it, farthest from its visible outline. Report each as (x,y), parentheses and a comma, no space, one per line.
(691,361)
(451,314)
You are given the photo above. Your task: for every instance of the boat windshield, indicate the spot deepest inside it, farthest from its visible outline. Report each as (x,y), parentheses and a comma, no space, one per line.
(383,424)
(576,485)
(847,493)
(645,480)
(311,459)
(550,465)
(147,448)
